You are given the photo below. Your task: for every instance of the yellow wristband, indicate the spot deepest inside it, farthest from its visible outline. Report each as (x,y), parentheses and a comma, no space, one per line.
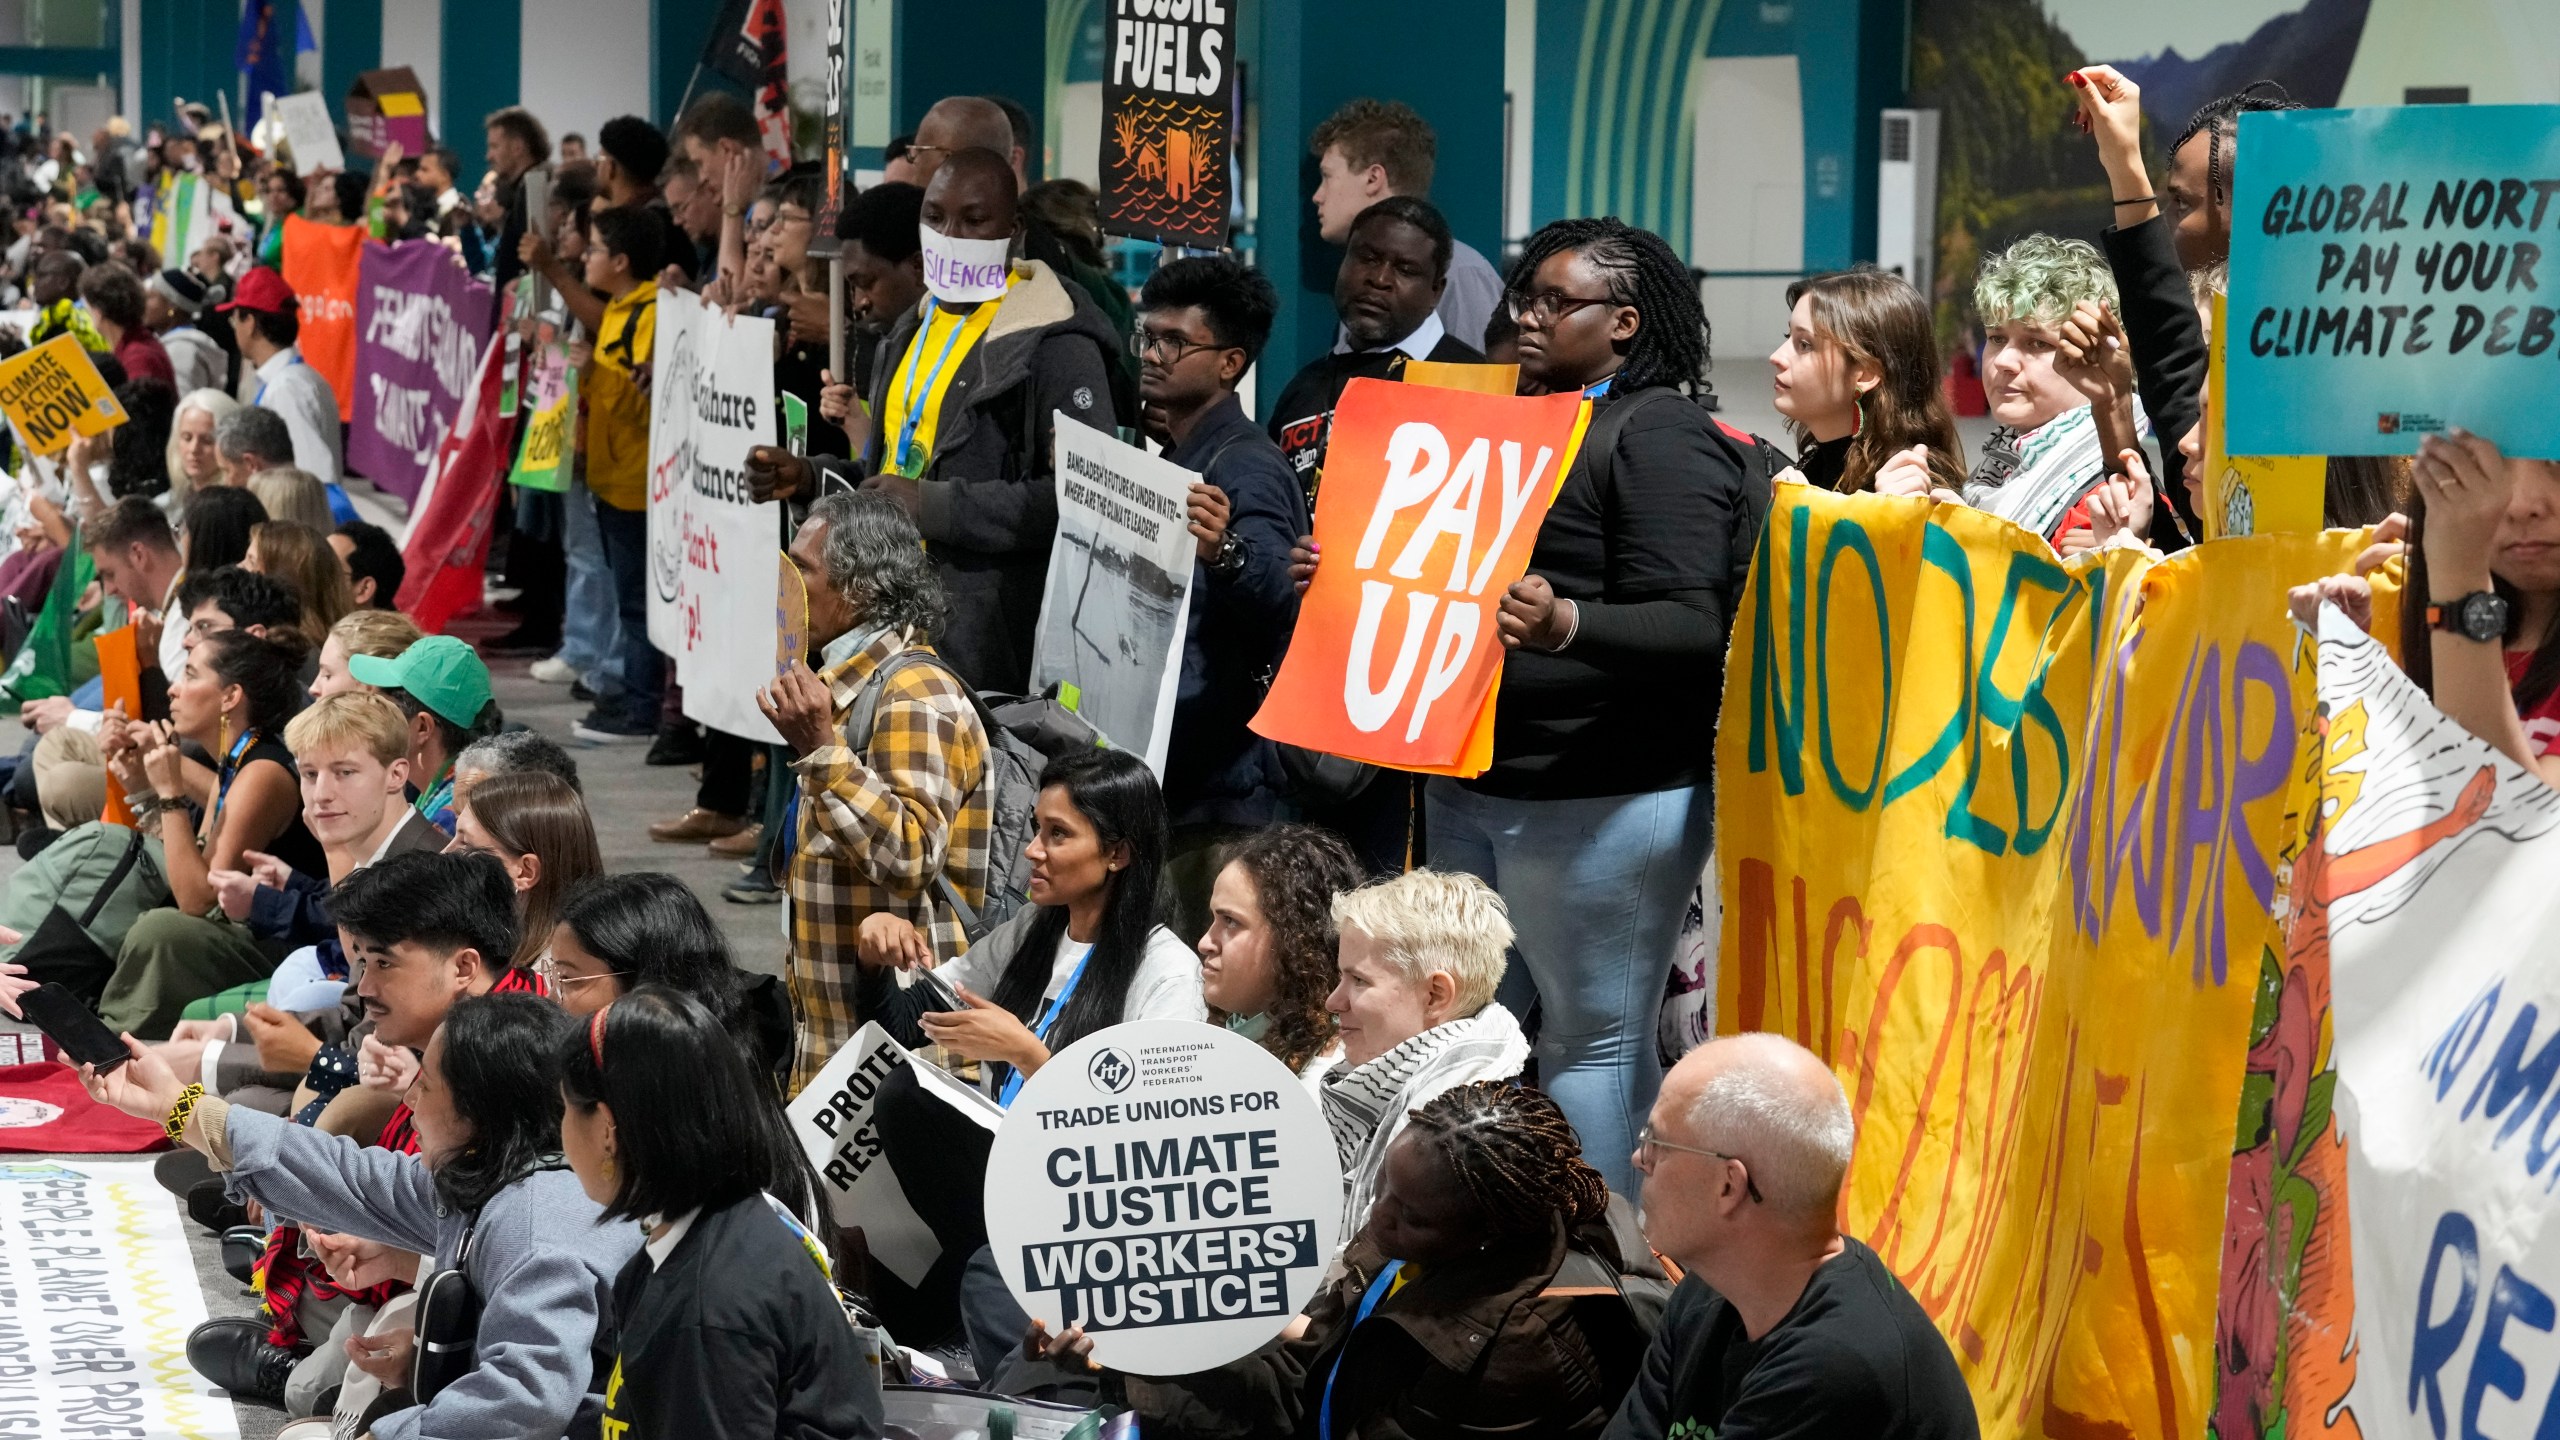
(176,1124)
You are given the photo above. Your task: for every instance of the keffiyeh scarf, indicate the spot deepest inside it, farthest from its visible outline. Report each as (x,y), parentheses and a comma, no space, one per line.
(2032,479)
(1367,1104)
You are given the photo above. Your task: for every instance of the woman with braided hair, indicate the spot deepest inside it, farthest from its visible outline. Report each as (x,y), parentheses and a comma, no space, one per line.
(1594,820)
(1485,1296)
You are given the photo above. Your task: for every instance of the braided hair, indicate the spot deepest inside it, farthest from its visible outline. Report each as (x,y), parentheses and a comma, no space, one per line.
(1641,270)
(2217,118)
(1515,1154)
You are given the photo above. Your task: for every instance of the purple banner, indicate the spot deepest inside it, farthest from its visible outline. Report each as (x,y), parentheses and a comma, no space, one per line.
(421,321)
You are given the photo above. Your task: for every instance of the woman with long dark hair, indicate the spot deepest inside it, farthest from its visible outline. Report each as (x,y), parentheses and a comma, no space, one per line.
(214,531)
(727,1323)
(2485,524)
(1267,958)
(1086,953)
(538,827)
(617,933)
(1857,377)
(484,1194)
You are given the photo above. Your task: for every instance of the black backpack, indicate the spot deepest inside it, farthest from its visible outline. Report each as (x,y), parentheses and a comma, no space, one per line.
(1758,459)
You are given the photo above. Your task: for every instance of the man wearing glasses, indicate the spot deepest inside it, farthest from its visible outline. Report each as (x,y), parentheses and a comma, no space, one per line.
(1783,1324)
(1201,323)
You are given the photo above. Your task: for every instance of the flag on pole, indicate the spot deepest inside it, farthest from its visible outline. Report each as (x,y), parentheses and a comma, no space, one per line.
(748,45)
(272,32)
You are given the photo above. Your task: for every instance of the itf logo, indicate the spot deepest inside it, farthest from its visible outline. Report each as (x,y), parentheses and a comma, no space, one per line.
(1111,1071)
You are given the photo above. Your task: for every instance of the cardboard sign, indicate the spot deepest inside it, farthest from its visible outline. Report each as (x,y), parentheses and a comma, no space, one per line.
(120,684)
(833,1117)
(2392,274)
(1455,375)
(54,392)
(1431,503)
(1168,120)
(1112,621)
(1170,1187)
(2253,494)
(387,107)
(711,546)
(790,616)
(308,131)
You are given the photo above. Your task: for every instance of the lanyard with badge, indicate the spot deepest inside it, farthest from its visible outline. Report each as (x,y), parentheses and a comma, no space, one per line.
(230,772)
(1048,1022)
(902,459)
(1379,1289)
(264,384)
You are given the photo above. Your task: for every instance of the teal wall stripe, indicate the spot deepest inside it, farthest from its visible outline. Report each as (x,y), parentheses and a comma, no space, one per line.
(186,50)
(350,44)
(483,55)
(678,29)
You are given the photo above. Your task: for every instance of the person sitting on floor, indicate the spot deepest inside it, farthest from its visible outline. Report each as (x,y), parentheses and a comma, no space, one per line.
(233,696)
(535,825)
(442,685)
(1421,957)
(1267,958)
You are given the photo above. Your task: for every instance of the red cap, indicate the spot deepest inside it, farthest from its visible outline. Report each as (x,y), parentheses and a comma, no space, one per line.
(262,290)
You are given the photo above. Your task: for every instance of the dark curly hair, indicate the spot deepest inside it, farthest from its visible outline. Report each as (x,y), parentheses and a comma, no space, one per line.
(1515,1155)
(1296,871)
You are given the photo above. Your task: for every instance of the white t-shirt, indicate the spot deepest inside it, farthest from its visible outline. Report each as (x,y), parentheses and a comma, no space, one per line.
(1166,987)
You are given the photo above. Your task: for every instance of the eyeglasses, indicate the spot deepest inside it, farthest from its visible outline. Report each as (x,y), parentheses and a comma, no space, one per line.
(549,970)
(1647,1143)
(916,152)
(1549,306)
(1167,349)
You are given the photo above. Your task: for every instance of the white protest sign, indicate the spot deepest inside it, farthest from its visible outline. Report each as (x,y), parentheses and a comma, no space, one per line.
(712,550)
(97,1294)
(833,1116)
(1170,1187)
(308,130)
(1111,623)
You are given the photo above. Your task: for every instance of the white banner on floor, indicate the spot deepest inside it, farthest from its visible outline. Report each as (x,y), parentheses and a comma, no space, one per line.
(97,1294)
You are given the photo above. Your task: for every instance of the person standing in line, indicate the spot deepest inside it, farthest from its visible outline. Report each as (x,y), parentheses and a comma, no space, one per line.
(266,320)
(622,253)
(1782,1325)
(1369,150)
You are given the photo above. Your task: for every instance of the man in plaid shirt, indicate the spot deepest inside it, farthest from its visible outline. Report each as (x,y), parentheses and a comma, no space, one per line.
(878,816)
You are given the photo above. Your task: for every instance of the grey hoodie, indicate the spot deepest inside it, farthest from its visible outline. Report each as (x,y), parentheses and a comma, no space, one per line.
(541,1264)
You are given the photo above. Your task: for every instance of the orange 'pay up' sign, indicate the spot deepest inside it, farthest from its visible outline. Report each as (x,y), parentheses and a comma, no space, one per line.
(1431,503)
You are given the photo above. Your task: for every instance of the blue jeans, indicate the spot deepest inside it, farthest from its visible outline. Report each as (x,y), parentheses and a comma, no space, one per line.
(1596,889)
(626,554)
(590,625)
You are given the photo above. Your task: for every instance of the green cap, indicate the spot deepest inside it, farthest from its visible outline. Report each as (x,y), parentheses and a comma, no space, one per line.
(444,674)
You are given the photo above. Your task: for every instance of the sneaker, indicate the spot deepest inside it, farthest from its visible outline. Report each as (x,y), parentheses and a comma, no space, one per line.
(233,1353)
(610,727)
(753,889)
(552,670)
(579,692)
(677,745)
(216,1211)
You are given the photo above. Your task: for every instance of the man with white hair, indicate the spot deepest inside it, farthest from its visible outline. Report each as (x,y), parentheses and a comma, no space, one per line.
(1783,1325)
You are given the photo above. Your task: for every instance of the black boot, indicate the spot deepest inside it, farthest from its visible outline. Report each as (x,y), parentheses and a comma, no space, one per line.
(233,1353)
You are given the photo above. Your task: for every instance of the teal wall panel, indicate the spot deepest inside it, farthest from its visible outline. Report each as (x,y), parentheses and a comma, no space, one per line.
(350,44)
(483,55)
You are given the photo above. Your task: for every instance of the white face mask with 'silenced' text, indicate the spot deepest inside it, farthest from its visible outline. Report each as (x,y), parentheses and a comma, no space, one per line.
(963,272)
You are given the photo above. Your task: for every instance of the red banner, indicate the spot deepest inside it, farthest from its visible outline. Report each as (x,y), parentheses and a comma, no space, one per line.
(448,549)
(320,264)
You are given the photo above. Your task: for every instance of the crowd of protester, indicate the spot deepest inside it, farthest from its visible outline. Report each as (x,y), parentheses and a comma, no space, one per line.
(377,981)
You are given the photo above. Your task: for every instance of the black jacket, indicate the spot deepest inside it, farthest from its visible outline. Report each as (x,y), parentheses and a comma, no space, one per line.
(990,505)
(1216,771)
(737,1335)
(1302,418)
(2169,352)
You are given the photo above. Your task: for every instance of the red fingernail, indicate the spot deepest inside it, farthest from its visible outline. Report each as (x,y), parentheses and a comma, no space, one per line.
(2079,79)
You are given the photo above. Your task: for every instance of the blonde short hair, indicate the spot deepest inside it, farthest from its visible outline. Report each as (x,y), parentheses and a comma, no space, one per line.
(383,634)
(355,720)
(291,494)
(1427,920)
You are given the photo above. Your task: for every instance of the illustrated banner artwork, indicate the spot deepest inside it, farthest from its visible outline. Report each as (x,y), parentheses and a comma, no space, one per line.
(1431,503)
(54,392)
(2431,896)
(421,322)
(320,263)
(1112,622)
(1168,120)
(835,1117)
(2393,273)
(712,549)
(100,1293)
(2000,837)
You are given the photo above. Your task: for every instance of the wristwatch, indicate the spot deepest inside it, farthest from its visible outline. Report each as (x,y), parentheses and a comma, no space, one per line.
(2480,615)
(1230,556)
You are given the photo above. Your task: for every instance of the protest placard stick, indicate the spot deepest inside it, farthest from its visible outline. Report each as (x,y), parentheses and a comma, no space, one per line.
(835,317)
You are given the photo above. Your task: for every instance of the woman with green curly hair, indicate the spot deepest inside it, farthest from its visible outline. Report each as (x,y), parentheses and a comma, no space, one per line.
(2060,381)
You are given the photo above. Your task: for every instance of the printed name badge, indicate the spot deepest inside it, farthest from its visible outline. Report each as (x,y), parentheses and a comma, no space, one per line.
(1169,1186)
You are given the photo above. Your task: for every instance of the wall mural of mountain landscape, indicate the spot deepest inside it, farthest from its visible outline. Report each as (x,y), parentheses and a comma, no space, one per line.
(2010,162)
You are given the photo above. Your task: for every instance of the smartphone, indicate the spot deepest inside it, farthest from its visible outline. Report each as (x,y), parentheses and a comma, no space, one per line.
(75,1027)
(934,991)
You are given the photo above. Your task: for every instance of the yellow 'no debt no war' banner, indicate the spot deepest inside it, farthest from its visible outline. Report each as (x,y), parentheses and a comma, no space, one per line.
(2001,837)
